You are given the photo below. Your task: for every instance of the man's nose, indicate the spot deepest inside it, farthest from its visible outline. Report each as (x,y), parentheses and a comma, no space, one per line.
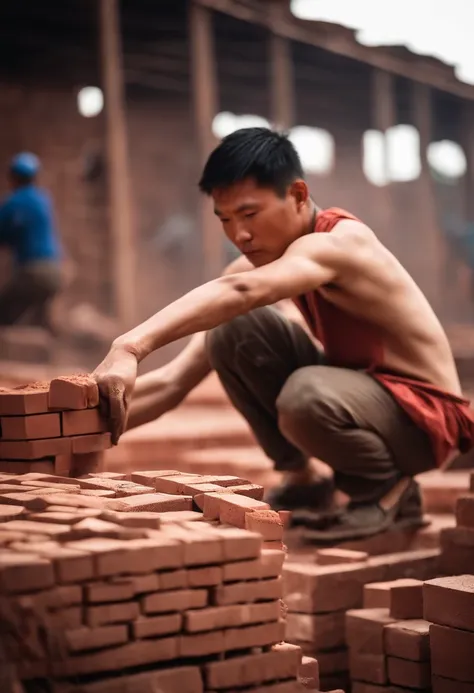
(242,234)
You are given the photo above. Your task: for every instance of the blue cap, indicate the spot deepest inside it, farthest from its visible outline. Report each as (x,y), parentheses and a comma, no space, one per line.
(25,164)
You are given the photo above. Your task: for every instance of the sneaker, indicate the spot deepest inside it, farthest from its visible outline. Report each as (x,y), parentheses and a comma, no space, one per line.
(317,494)
(362,520)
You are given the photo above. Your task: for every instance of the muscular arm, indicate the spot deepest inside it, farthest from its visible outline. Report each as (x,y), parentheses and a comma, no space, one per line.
(163,389)
(308,263)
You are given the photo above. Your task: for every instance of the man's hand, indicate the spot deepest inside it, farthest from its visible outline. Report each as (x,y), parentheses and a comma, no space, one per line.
(116,377)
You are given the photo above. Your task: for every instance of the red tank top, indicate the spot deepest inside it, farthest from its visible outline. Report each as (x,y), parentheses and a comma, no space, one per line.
(350,342)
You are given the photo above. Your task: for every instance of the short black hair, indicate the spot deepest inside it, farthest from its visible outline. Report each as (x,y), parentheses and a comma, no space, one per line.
(259,153)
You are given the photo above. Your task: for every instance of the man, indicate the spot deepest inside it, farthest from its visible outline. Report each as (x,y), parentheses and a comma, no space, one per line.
(380,401)
(28,230)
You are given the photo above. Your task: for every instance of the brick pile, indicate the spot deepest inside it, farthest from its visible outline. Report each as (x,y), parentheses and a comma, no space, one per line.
(457,543)
(318,595)
(448,603)
(53,427)
(388,639)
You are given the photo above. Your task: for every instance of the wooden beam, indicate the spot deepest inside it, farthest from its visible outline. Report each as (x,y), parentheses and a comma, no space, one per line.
(120,206)
(468,146)
(340,43)
(282,85)
(205,107)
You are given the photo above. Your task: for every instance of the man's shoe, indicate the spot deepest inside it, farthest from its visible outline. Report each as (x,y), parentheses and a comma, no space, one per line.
(317,495)
(362,520)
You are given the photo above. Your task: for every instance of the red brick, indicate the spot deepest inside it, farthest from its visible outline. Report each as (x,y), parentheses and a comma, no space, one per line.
(269,565)
(365,631)
(233,508)
(147,478)
(254,636)
(308,673)
(29,527)
(83,639)
(174,484)
(197,489)
(451,653)
(153,502)
(94,442)
(364,666)
(26,466)
(322,589)
(64,619)
(442,685)
(62,464)
(280,663)
(201,620)
(66,488)
(204,577)
(379,595)
(112,591)
(248,592)
(58,597)
(29,399)
(87,463)
(24,573)
(403,672)
(157,625)
(323,631)
(239,544)
(251,490)
(173,579)
(11,512)
(209,504)
(406,599)
(119,476)
(141,520)
(265,522)
(199,548)
(147,583)
(69,566)
(332,662)
(335,556)
(95,527)
(125,656)
(82,422)
(103,614)
(122,489)
(76,501)
(96,493)
(449,601)
(181,516)
(202,644)
(30,427)
(73,392)
(23,450)
(177,600)
(408,640)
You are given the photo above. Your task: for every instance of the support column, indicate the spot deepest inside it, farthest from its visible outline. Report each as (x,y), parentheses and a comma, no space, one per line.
(384,117)
(282,83)
(205,106)
(430,241)
(118,178)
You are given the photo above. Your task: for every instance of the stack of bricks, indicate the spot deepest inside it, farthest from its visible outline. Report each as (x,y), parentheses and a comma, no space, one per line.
(448,603)
(457,543)
(388,640)
(52,427)
(318,596)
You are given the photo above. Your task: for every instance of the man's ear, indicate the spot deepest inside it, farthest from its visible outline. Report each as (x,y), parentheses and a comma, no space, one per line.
(299,190)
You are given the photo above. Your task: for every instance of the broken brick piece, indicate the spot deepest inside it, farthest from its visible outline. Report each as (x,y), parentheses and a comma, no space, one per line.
(82,422)
(308,673)
(334,556)
(73,392)
(30,427)
(265,522)
(92,442)
(449,601)
(27,399)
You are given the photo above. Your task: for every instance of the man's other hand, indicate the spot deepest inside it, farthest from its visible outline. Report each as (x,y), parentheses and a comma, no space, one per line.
(116,377)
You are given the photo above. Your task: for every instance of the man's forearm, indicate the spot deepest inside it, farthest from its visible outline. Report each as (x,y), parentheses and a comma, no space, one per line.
(198,311)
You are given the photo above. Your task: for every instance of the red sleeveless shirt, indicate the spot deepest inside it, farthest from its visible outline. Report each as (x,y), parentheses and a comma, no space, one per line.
(350,342)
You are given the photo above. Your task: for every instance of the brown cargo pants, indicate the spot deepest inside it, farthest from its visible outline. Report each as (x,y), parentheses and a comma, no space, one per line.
(299,408)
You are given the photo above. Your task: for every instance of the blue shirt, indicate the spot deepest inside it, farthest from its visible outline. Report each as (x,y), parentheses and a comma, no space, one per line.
(27,226)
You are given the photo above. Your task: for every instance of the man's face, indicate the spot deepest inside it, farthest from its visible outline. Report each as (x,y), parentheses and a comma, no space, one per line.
(260,223)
